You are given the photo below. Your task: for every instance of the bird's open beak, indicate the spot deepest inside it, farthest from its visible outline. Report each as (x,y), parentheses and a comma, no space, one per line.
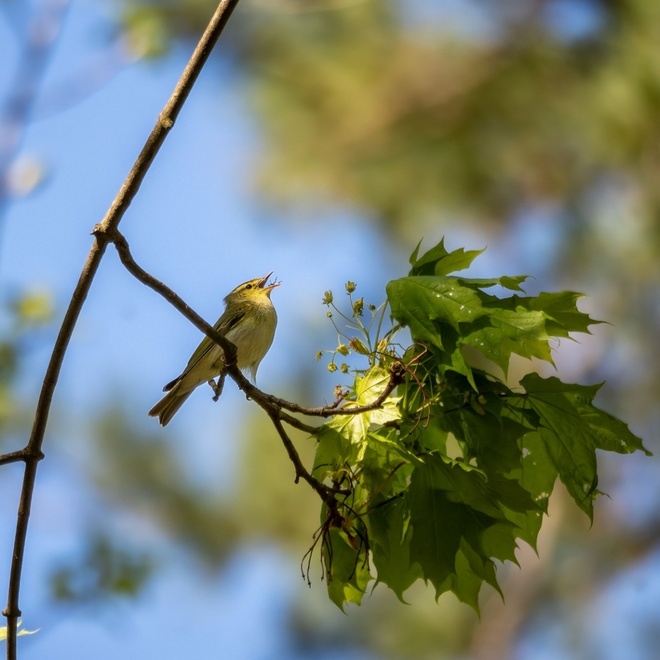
(268,287)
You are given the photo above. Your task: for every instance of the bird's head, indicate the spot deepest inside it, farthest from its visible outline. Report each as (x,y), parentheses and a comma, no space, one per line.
(257,290)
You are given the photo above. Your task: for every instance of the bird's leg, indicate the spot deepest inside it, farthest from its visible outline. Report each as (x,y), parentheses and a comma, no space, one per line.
(217,387)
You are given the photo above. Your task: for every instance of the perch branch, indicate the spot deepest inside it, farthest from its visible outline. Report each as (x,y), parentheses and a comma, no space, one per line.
(156,285)
(396,378)
(264,399)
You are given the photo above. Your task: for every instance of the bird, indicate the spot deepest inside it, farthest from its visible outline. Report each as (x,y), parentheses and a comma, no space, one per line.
(248,322)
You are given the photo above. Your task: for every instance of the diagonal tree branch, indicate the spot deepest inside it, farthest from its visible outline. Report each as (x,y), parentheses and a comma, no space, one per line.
(265,400)
(33,450)
(397,371)
(273,406)
(149,280)
(268,402)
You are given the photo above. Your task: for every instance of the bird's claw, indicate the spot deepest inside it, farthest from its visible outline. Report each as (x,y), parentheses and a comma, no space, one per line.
(217,387)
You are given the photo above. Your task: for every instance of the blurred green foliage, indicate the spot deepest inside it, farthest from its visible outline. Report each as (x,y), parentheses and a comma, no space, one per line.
(357,105)
(154,483)
(419,121)
(22,318)
(103,570)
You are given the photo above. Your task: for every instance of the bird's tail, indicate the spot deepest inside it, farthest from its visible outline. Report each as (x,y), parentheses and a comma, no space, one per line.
(167,407)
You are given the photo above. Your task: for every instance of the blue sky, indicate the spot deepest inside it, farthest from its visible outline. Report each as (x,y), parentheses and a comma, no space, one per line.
(196,226)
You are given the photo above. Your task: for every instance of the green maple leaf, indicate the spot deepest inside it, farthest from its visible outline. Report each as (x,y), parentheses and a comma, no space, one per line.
(389,538)
(512,331)
(433,306)
(451,313)
(472,570)
(332,452)
(448,476)
(524,325)
(484,433)
(517,477)
(571,428)
(562,313)
(457,516)
(437,261)
(437,528)
(356,428)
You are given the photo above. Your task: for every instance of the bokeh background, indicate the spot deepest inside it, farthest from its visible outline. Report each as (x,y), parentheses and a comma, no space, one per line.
(324,139)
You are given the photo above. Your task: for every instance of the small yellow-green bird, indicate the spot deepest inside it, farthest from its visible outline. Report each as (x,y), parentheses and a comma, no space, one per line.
(248,322)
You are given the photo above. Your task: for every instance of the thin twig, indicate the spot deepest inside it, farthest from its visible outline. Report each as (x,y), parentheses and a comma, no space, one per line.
(296,423)
(13,457)
(324,492)
(396,378)
(149,280)
(33,453)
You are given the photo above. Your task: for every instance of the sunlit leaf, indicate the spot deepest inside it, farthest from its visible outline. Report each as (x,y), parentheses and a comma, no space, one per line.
(3,632)
(367,388)
(433,307)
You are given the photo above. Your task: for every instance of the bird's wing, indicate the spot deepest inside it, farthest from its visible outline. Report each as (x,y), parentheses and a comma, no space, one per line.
(224,325)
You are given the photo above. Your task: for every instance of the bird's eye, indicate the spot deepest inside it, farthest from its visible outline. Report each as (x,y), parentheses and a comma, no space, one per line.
(248,286)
